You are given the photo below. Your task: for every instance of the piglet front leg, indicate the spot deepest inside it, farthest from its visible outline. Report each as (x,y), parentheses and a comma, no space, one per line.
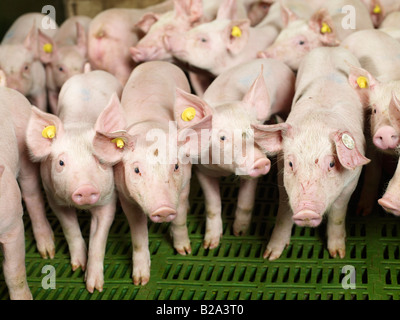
(140,240)
(102,219)
(247,192)
(210,187)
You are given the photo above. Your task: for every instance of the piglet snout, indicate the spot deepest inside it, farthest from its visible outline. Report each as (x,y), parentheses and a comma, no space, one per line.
(163,214)
(307,218)
(386,138)
(143,54)
(260,167)
(86,195)
(389,205)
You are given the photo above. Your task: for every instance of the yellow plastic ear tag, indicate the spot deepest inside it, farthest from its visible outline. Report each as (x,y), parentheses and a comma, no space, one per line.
(377,9)
(188,114)
(48,48)
(119,142)
(49,132)
(362,82)
(236,32)
(325,28)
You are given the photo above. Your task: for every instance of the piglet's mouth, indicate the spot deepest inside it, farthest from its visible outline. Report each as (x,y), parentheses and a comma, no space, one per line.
(307,218)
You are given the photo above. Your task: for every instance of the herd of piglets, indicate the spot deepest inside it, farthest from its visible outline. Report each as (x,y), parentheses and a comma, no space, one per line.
(123,107)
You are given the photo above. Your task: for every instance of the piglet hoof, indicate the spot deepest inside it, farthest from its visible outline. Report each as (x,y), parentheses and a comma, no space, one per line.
(94,280)
(337,247)
(140,277)
(45,246)
(77,263)
(274,250)
(240,229)
(211,242)
(183,249)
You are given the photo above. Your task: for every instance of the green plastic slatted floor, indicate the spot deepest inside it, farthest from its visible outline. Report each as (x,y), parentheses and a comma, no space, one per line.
(236,269)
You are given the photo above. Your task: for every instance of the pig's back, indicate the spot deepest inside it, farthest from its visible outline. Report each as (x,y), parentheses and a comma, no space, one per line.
(83,97)
(233,84)
(149,94)
(21,27)
(377,52)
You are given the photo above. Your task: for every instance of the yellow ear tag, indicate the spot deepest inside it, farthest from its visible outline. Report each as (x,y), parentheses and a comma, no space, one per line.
(49,132)
(325,28)
(188,114)
(119,142)
(362,82)
(236,32)
(48,48)
(377,9)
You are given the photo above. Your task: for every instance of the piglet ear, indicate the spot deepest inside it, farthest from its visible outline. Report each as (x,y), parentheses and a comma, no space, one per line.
(347,151)
(43,128)
(189,109)
(321,23)
(81,41)
(31,42)
(287,15)
(192,9)
(362,81)
(394,112)
(270,137)
(376,11)
(257,99)
(237,35)
(112,118)
(147,21)
(47,48)
(227,10)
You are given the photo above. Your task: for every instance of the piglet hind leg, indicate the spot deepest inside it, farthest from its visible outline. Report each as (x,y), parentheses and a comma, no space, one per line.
(210,187)
(13,245)
(281,234)
(245,206)
(140,241)
(179,230)
(102,219)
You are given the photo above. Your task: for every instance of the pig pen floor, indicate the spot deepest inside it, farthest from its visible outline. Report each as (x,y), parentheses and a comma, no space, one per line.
(235,270)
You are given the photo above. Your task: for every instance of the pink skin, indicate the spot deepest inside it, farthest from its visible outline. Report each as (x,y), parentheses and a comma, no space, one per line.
(141,165)
(156,27)
(19,59)
(72,176)
(320,165)
(12,238)
(68,56)
(257,11)
(29,175)
(112,33)
(390,201)
(382,77)
(238,101)
(211,47)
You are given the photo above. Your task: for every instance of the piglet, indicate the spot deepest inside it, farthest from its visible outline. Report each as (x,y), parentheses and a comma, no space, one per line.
(65,55)
(72,175)
(391,200)
(380,9)
(111,33)
(19,58)
(12,238)
(323,28)
(232,112)
(151,181)
(323,151)
(221,44)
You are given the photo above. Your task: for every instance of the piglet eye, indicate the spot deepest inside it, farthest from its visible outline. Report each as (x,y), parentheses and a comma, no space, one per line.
(61,163)
(374,110)
(176,167)
(291,164)
(137,171)
(61,69)
(332,164)
(301,42)
(26,67)
(222,138)
(203,40)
